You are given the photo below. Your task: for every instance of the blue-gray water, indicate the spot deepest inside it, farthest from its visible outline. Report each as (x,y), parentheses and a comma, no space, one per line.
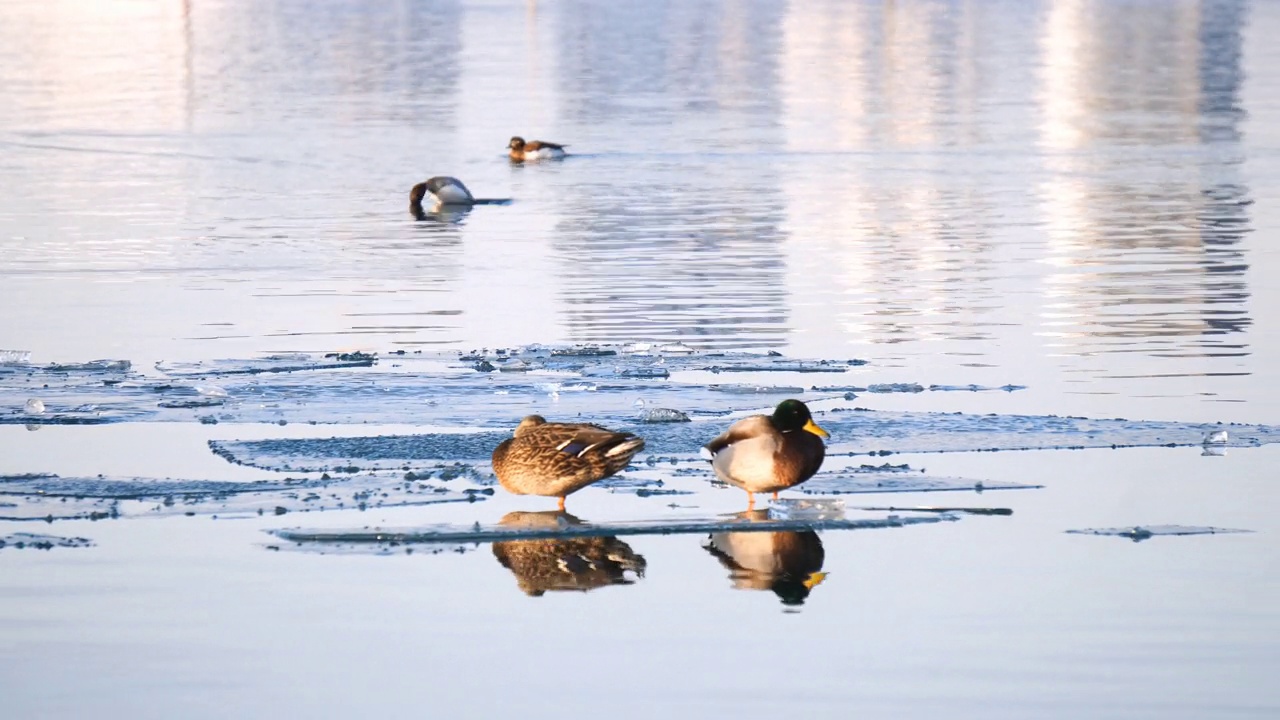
(1076,197)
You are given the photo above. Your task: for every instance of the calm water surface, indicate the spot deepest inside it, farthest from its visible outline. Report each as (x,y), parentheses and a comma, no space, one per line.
(1070,195)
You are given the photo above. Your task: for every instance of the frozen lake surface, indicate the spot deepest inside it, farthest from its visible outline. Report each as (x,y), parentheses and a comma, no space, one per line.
(1018,257)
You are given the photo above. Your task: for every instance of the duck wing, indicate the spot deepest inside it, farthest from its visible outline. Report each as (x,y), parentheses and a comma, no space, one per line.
(582,440)
(560,450)
(750,428)
(543,145)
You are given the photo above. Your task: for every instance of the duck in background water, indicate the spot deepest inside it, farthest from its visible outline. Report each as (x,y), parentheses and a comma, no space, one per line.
(445,195)
(768,453)
(522,151)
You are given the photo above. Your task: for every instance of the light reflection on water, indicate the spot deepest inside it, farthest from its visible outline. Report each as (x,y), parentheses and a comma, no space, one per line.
(906,175)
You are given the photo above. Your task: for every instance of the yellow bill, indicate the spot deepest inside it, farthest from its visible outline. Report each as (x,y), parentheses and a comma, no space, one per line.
(812,427)
(814,580)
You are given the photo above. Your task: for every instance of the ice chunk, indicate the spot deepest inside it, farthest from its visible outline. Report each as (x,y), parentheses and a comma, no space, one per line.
(663,415)
(583,351)
(15,357)
(675,348)
(36,541)
(1215,437)
(896,388)
(806,509)
(33,406)
(647,371)
(1138,533)
(757,389)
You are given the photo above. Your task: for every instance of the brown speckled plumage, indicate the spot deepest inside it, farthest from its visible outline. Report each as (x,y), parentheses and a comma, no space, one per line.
(556,459)
(579,564)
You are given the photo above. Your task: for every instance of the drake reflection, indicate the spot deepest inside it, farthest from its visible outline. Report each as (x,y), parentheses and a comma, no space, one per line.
(788,563)
(579,563)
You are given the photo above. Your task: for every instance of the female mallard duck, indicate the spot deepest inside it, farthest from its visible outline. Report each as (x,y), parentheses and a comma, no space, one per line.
(580,563)
(534,150)
(556,459)
(789,563)
(768,453)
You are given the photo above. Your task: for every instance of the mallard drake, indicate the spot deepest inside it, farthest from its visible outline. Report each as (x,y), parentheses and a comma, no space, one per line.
(580,564)
(768,453)
(788,562)
(534,150)
(556,459)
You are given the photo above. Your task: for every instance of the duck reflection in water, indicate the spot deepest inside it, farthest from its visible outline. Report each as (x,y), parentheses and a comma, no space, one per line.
(788,563)
(446,215)
(579,563)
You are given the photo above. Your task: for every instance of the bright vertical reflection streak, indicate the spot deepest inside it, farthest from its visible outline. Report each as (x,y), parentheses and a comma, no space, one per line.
(903,256)
(1133,246)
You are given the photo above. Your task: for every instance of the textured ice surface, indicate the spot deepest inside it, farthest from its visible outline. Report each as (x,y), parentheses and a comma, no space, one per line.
(1138,533)
(852,433)
(838,483)
(472,389)
(593,384)
(50,497)
(37,541)
(805,509)
(285,363)
(879,432)
(372,452)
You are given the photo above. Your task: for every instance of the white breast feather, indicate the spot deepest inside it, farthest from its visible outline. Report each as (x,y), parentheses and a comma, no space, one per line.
(543,154)
(452,195)
(747,464)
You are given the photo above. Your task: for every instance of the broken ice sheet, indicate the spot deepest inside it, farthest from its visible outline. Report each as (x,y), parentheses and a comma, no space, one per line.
(852,433)
(280,363)
(51,497)
(846,483)
(95,392)
(639,360)
(378,452)
(1138,533)
(806,509)
(857,431)
(662,415)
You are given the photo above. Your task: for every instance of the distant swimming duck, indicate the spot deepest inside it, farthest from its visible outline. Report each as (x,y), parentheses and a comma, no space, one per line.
(443,191)
(557,459)
(534,150)
(582,563)
(768,453)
